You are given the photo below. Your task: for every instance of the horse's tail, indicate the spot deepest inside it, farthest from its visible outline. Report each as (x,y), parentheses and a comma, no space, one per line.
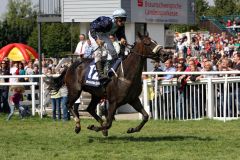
(55,83)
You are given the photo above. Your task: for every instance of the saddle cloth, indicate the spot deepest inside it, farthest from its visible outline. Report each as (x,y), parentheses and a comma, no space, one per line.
(91,75)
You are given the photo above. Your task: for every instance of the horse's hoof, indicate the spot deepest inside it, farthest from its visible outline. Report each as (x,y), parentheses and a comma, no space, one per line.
(130,130)
(90,127)
(77,129)
(105,133)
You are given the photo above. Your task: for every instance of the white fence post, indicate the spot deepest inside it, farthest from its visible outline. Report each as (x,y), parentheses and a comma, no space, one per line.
(145,98)
(42,94)
(210,99)
(225,97)
(155,100)
(33,100)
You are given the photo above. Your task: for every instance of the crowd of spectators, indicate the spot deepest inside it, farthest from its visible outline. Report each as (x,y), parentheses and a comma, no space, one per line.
(216,49)
(9,67)
(212,52)
(233,24)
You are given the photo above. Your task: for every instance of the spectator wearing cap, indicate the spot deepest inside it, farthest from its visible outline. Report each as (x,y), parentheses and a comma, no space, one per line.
(181,60)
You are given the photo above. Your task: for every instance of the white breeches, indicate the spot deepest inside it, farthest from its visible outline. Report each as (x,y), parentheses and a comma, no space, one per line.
(107,51)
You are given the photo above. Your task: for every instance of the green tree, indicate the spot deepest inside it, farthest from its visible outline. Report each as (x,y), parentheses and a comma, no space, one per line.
(56,39)
(202,7)
(224,8)
(20,19)
(33,39)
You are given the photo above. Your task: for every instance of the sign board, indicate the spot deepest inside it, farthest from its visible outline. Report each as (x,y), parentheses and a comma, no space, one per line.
(162,11)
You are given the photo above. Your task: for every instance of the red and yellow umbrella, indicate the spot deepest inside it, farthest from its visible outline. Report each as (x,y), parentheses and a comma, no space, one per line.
(18,52)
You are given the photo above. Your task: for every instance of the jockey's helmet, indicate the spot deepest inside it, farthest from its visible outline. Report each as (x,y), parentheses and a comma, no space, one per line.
(120,13)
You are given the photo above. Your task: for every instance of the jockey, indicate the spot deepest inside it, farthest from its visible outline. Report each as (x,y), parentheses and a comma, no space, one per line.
(100,29)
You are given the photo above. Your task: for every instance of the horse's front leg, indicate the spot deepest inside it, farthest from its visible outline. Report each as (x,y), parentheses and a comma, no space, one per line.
(72,97)
(76,118)
(137,105)
(92,110)
(110,117)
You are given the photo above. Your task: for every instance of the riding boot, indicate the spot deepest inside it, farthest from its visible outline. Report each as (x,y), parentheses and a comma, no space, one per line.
(102,77)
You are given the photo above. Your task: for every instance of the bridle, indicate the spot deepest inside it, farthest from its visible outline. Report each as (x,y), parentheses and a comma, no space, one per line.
(155,50)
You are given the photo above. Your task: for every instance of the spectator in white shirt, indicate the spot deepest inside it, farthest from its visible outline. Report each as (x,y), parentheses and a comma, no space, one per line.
(115,43)
(81,45)
(14,71)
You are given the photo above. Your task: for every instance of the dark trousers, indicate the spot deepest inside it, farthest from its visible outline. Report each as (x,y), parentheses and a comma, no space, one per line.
(4,106)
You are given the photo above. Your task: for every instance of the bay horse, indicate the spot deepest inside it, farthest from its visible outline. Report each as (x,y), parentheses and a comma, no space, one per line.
(122,89)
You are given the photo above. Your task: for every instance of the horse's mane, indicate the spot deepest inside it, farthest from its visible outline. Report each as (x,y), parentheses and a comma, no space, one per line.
(59,81)
(75,64)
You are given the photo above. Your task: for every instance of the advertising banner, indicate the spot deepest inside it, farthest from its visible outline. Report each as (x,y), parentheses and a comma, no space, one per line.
(162,11)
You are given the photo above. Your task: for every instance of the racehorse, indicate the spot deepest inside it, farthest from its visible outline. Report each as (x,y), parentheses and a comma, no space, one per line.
(122,89)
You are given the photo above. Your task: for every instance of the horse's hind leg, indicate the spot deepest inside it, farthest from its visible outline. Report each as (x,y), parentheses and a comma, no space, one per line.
(137,105)
(73,95)
(92,110)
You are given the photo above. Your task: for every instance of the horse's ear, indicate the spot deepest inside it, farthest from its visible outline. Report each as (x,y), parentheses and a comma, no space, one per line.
(146,34)
(139,35)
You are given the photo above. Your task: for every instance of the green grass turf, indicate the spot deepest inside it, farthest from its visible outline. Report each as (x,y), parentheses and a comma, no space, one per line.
(33,138)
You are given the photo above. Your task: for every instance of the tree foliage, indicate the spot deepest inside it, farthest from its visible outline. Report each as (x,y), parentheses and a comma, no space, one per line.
(20,19)
(224,8)
(56,39)
(19,25)
(221,8)
(202,7)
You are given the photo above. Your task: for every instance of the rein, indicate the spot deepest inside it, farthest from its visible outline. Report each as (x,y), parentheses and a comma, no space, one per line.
(132,50)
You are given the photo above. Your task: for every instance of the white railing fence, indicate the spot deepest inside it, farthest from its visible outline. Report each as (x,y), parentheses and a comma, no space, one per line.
(32,84)
(215,98)
(37,104)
